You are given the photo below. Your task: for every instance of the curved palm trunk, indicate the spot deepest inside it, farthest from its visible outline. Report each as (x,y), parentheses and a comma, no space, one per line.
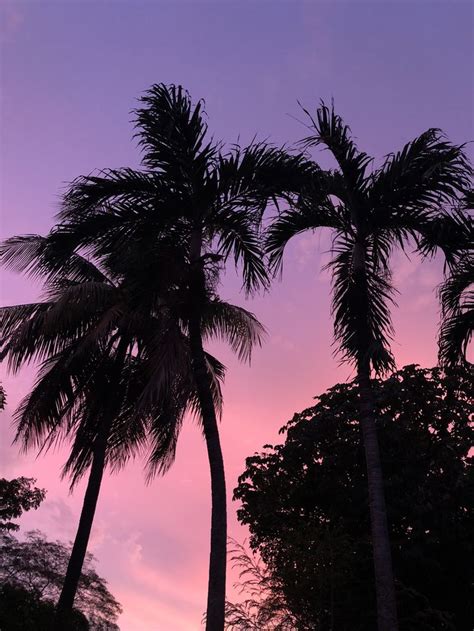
(218,555)
(79,549)
(215,611)
(384,580)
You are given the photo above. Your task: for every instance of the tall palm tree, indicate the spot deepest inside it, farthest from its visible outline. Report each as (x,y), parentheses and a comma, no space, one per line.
(99,383)
(372,212)
(207,204)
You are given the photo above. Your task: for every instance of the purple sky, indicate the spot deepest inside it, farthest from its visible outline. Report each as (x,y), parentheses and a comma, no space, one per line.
(71,73)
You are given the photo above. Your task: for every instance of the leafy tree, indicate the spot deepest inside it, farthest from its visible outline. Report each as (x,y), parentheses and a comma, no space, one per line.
(3,398)
(112,377)
(31,577)
(372,212)
(305,502)
(17,496)
(203,204)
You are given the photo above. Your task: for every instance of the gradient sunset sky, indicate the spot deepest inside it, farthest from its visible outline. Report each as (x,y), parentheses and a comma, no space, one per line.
(70,74)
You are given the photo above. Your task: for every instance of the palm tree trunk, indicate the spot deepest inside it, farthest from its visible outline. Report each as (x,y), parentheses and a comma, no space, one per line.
(218,555)
(78,553)
(384,580)
(79,549)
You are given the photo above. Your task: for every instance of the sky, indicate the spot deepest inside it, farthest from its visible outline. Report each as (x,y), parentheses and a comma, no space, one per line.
(70,74)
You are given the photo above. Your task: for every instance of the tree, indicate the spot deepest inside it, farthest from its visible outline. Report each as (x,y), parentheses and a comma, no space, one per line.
(17,496)
(371,213)
(305,502)
(100,382)
(21,610)
(205,205)
(31,577)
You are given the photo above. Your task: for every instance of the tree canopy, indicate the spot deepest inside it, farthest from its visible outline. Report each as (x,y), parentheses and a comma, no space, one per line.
(305,502)
(16,496)
(37,566)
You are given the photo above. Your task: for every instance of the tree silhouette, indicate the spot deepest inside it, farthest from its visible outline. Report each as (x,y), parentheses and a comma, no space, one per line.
(16,497)
(31,577)
(99,383)
(372,212)
(206,205)
(305,503)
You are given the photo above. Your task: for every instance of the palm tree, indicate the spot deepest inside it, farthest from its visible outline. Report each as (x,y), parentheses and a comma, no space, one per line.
(99,382)
(207,204)
(372,212)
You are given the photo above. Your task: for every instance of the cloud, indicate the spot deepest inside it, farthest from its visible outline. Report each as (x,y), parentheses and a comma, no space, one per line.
(153,600)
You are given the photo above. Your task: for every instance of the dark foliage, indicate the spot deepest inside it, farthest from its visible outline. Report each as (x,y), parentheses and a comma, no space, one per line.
(22,610)
(305,502)
(32,572)
(16,496)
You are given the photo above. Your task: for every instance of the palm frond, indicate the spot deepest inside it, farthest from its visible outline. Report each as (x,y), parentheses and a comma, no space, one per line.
(456,333)
(457,302)
(55,326)
(13,317)
(246,180)
(165,427)
(167,415)
(451,231)
(313,210)
(235,325)
(362,322)
(87,195)
(426,174)
(47,258)
(240,237)
(331,131)
(50,410)
(110,401)
(251,176)
(172,132)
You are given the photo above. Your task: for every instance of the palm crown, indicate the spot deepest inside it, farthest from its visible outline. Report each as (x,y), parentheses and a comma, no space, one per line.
(408,200)
(187,182)
(75,333)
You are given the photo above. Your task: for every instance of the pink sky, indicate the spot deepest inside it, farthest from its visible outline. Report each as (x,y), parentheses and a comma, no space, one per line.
(70,74)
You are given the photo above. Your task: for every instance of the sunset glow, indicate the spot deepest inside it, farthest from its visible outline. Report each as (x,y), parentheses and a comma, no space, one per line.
(70,75)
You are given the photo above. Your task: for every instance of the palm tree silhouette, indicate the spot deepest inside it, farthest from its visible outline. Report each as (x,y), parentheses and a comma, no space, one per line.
(372,212)
(113,377)
(208,204)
